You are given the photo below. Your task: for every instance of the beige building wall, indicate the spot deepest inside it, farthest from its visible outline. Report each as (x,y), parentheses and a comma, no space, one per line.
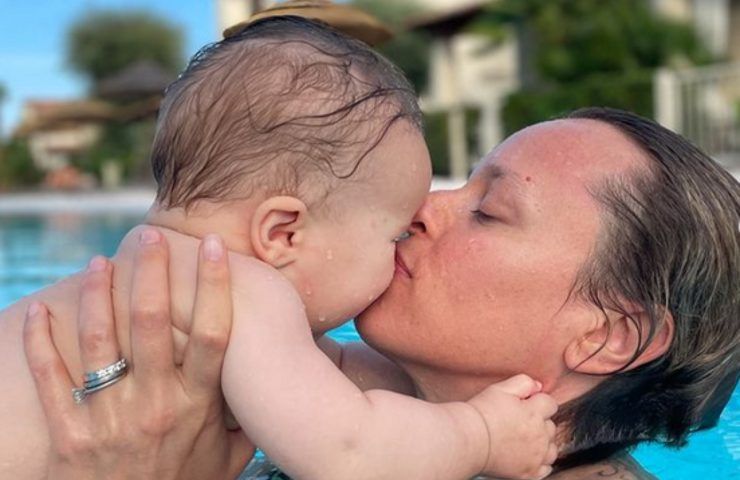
(231,12)
(712,19)
(51,149)
(677,9)
(442,5)
(461,76)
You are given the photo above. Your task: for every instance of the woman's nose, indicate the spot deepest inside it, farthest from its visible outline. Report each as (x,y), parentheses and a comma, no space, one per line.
(433,214)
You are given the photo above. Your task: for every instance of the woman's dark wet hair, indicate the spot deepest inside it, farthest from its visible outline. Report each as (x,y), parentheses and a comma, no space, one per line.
(287,106)
(670,243)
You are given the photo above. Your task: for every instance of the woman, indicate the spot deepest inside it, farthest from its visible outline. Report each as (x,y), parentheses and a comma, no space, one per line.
(597,253)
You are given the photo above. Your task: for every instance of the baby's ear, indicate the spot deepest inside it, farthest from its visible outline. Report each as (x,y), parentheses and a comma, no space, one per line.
(277,230)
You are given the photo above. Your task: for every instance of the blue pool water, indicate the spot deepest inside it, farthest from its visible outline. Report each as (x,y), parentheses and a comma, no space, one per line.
(36,251)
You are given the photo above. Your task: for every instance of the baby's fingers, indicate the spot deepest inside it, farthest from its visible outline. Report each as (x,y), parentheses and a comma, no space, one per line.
(544,472)
(522,386)
(543,404)
(552,454)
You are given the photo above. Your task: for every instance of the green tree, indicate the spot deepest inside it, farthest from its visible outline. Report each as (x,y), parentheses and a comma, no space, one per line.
(16,166)
(102,43)
(127,144)
(408,49)
(587,52)
(3,96)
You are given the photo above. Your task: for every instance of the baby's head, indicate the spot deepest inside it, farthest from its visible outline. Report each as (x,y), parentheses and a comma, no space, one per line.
(299,146)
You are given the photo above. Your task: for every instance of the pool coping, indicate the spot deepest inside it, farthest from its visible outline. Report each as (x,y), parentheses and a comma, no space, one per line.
(123,201)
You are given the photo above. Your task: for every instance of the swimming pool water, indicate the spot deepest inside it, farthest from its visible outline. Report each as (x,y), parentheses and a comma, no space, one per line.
(35,251)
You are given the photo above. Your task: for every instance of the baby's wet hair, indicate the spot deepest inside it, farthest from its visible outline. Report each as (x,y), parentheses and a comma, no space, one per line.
(287,106)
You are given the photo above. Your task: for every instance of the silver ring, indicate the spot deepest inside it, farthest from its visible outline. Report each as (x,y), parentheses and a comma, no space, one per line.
(103,380)
(106,371)
(100,379)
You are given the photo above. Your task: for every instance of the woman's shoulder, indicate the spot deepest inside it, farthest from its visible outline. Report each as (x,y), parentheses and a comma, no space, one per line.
(622,467)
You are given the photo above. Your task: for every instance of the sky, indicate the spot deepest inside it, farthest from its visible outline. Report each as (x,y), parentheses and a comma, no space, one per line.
(32,44)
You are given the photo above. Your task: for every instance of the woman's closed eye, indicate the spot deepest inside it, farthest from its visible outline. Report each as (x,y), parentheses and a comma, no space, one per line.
(483,217)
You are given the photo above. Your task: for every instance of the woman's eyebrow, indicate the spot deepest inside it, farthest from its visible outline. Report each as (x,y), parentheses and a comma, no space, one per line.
(497,172)
(517,195)
(494,172)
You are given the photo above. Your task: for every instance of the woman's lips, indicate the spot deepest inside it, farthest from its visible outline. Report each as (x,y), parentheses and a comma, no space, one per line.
(401,266)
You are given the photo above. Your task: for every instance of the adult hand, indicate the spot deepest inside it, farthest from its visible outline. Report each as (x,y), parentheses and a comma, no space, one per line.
(160,421)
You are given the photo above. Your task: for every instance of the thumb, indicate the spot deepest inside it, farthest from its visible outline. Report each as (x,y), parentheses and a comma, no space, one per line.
(522,386)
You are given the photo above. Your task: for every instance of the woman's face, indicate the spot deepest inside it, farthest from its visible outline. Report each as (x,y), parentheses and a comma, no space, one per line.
(482,288)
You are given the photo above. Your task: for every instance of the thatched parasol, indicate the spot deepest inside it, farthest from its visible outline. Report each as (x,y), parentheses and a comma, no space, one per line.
(350,20)
(141,79)
(50,115)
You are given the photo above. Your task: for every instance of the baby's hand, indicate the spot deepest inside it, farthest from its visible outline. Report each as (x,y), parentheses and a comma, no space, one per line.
(522,436)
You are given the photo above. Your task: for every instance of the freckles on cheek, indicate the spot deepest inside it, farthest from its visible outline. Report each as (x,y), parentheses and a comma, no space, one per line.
(461,270)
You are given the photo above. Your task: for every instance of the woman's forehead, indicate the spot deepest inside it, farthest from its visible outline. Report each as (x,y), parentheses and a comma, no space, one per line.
(571,150)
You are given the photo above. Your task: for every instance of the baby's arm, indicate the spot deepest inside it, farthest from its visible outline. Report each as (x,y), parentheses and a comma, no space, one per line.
(312,421)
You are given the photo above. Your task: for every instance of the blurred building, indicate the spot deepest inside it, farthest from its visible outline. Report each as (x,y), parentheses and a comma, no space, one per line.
(467,72)
(716,21)
(58,130)
(703,103)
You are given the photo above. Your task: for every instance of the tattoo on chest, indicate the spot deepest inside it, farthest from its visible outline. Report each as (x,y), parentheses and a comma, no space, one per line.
(619,469)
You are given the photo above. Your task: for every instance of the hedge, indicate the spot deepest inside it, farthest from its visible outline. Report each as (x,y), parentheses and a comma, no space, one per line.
(632,92)
(436,132)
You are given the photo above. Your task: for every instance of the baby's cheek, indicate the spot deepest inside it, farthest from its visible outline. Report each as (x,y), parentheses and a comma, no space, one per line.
(384,270)
(389,269)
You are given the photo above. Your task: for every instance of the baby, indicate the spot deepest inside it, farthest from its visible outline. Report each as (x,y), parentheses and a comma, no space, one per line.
(303,150)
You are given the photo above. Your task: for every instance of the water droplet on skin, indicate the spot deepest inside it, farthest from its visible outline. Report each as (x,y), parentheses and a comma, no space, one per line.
(322,318)
(308,292)
(329,255)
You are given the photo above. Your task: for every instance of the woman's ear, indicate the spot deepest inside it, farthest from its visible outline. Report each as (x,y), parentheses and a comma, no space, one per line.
(277,230)
(610,343)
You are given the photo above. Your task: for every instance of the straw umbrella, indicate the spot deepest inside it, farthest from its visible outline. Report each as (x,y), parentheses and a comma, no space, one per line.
(350,20)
